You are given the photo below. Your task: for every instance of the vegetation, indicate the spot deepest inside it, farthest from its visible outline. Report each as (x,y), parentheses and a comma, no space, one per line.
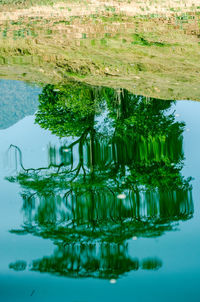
(123,44)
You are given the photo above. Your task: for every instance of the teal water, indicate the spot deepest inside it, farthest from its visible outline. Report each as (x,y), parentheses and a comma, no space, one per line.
(99,195)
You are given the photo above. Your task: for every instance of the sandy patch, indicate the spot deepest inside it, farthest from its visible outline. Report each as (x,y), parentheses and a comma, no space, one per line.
(66,10)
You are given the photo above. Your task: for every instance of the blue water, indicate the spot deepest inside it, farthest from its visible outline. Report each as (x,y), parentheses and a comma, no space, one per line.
(178,250)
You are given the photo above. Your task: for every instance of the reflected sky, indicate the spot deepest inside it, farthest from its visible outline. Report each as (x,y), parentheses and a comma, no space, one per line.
(17,100)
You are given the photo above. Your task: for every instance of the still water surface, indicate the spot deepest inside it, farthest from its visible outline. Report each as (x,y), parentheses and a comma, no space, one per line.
(99,195)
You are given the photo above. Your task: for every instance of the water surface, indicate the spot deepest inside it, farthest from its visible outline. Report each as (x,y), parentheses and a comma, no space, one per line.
(99,195)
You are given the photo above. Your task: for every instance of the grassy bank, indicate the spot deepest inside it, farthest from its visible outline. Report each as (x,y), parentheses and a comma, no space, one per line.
(151,49)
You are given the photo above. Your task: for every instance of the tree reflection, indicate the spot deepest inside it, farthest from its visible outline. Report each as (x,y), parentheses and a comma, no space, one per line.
(105,261)
(120,177)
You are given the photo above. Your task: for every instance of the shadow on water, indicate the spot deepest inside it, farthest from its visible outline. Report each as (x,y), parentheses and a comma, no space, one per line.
(120,178)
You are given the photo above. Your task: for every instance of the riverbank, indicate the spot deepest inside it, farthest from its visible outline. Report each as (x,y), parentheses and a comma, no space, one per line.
(151,49)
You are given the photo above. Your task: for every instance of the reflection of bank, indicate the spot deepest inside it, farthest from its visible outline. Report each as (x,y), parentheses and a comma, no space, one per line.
(106,186)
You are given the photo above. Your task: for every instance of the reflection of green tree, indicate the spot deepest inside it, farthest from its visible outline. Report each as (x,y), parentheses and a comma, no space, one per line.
(105,261)
(110,183)
(145,140)
(67,110)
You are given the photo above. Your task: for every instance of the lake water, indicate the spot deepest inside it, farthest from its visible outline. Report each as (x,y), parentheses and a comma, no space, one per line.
(99,195)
